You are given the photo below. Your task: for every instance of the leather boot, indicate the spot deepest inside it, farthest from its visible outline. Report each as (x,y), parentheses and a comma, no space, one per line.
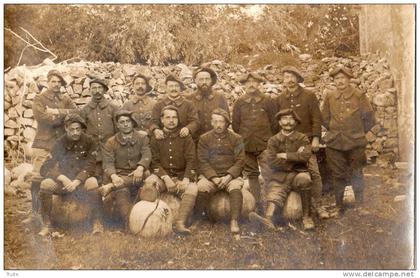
(201,204)
(308,223)
(266,221)
(255,188)
(35,186)
(45,199)
(235,200)
(339,187)
(358,186)
(184,211)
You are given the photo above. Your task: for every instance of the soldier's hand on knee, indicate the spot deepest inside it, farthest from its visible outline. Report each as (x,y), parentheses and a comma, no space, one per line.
(216,181)
(137,174)
(70,187)
(64,180)
(106,189)
(158,134)
(117,180)
(315,144)
(169,183)
(225,180)
(184,132)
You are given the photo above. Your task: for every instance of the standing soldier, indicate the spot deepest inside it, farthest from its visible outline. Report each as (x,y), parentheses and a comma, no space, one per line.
(347,115)
(141,103)
(188,118)
(69,171)
(205,100)
(288,153)
(306,106)
(50,108)
(253,118)
(221,157)
(173,161)
(126,161)
(99,117)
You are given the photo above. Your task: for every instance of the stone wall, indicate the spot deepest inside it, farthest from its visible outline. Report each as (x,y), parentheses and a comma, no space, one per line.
(372,76)
(389,30)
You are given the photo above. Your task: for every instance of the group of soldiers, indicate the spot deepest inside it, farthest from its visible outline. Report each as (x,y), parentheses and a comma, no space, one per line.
(182,144)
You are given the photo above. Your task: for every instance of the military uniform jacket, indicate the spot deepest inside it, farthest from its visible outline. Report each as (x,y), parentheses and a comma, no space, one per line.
(123,156)
(219,155)
(50,127)
(187,114)
(99,118)
(253,118)
(296,159)
(348,116)
(173,156)
(306,106)
(74,159)
(142,107)
(204,106)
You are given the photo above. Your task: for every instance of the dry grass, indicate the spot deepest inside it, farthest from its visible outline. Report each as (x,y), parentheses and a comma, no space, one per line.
(377,240)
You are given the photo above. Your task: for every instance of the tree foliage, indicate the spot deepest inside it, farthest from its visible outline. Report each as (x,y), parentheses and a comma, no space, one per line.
(163,34)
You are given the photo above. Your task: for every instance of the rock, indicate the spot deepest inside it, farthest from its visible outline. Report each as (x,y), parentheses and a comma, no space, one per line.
(7,176)
(12,113)
(371,153)
(28,113)
(86,93)
(305,57)
(82,101)
(77,88)
(11,124)
(370,137)
(391,143)
(21,171)
(29,133)
(377,146)
(9,131)
(86,83)
(25,122)
(400,198)
(386,84)
(129,70)
(384,99)
(30,96)
(390,124)
(27,103)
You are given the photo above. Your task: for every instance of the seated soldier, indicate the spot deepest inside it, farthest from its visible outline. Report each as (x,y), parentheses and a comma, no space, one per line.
(173,159)
(221,157)
(288,153)
(72,164)
(126,160)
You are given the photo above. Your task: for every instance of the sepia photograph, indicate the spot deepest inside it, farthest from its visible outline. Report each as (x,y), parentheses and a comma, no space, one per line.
(209,136)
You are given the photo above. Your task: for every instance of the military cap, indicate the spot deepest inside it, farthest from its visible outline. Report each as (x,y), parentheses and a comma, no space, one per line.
(212,73)
(173,78)
(295,71)
(58,74)
(126,113)
(74,118)
(342,69)
(223,113)
(147,79)
(254,75)
(169,107)
(288,111)
(100,81)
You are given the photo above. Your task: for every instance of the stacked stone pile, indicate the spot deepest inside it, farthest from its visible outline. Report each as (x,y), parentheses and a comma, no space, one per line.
(372,76)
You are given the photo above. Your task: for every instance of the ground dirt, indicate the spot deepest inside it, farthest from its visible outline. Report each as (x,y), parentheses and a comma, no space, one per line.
(377,236)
